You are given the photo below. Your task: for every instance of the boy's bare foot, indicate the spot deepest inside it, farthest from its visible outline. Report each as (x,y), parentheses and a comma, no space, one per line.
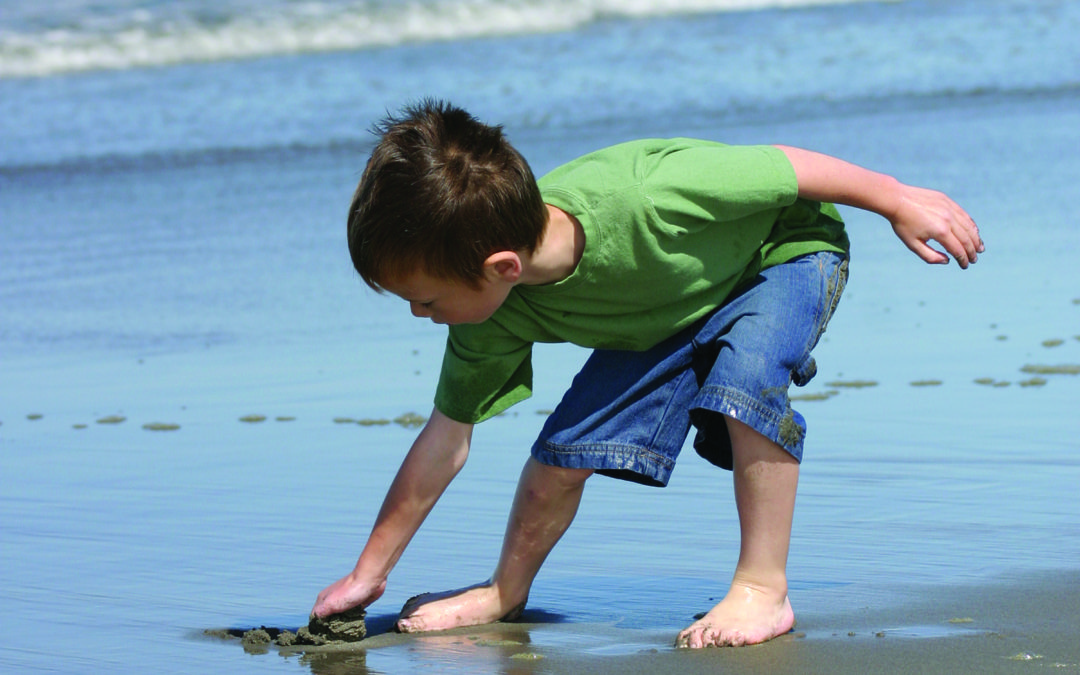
(471,606)
(746,616)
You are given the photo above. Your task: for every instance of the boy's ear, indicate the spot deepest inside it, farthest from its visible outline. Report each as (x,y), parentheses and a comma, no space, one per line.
(503,266)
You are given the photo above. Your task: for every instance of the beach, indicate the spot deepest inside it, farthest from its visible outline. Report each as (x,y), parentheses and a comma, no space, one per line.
(201,405)
(1011,626)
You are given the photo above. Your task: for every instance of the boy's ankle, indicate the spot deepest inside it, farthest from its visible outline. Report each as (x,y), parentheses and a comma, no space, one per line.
(773,585)
(511,601)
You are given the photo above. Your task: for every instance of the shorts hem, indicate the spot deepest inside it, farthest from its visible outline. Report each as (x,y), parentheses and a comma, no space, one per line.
(621,460)
(786,430)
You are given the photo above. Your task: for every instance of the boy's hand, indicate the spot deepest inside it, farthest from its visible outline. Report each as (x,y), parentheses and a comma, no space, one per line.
(921,215)
(346,593)
(917,215)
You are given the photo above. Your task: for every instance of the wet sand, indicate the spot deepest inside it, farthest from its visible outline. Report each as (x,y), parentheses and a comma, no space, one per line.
(1007,626)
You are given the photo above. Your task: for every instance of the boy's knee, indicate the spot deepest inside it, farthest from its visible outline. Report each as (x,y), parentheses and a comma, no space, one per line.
(546,477)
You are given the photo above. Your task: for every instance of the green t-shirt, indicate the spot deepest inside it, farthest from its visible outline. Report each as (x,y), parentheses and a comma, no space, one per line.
(671,228)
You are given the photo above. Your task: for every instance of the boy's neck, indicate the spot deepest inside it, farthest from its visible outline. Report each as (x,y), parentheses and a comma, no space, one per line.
(559,251)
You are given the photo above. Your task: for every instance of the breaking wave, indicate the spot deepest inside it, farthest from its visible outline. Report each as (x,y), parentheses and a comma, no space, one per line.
(63,36)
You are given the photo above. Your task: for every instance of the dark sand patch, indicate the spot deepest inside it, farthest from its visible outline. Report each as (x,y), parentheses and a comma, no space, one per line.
(253,419)
(111,419)
(33,417)
(852,384)
(410,420)
(816,396)
(1055,342)
(488,642)
(160,426)
(1063,369)
(926,383)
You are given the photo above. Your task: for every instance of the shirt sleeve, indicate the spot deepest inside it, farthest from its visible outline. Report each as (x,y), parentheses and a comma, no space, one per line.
(485,370)
(695,181)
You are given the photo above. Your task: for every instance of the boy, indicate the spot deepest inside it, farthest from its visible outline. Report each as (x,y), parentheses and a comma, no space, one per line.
(701,274)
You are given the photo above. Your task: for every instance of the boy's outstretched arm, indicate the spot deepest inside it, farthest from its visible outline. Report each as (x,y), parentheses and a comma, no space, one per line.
(435,458)
(917,215)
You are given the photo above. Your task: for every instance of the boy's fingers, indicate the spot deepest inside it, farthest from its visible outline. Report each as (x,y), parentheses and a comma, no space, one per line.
(973,245)
(959,251)
(979,245)
(960,238)
(927,253)
(970,232)
(962,250)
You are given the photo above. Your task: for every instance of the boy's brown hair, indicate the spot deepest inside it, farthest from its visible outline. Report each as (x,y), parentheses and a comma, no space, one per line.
(441,192)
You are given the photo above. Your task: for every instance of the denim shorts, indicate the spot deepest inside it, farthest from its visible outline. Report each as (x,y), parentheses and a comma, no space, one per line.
(627,414)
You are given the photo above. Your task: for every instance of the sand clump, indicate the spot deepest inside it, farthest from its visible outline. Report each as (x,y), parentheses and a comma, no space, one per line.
(346,627)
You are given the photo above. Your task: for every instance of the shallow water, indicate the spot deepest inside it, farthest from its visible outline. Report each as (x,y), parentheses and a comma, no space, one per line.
(171,277)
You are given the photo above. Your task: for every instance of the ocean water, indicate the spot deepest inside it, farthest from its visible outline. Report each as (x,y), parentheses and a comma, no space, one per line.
(173,183)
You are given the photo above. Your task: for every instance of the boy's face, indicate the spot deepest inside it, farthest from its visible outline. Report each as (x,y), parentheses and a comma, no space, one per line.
(450,302)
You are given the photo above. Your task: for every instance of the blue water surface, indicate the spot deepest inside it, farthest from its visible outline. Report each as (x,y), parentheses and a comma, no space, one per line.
(174,252)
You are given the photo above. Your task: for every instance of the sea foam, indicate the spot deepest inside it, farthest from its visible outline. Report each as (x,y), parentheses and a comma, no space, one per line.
(51,39)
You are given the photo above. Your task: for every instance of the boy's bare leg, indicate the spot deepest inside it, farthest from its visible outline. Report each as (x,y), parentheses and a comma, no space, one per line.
(756,607)
(546,502)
